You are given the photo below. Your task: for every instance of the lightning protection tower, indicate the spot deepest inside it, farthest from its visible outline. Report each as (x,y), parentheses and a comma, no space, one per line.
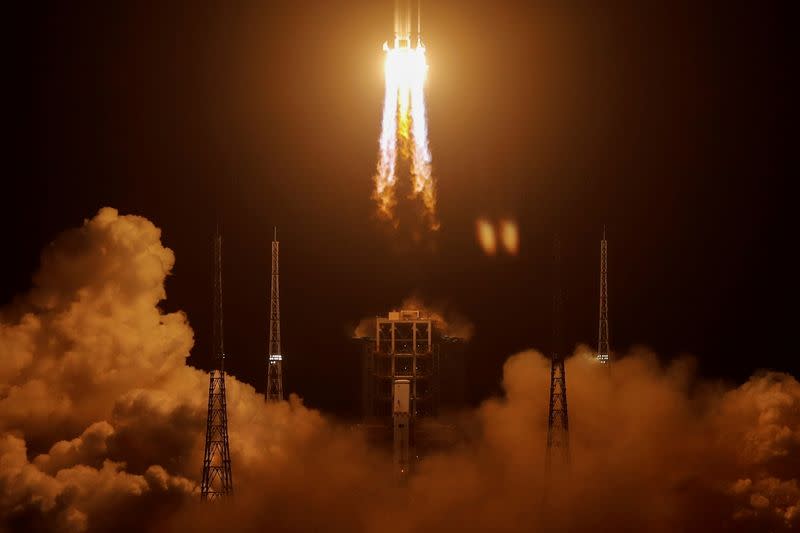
(603,349)
(217,480)
(274,364)
(558,416)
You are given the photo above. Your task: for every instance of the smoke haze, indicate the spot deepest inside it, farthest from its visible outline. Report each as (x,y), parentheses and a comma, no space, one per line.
(449,321)
(102,425)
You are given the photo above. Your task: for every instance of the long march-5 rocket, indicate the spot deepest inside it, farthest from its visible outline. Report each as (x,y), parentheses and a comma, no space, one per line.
(404,17)
(404,127)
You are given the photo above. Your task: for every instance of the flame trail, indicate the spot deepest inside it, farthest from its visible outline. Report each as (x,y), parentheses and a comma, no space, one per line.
(404,117)
(421,168)
(385,178)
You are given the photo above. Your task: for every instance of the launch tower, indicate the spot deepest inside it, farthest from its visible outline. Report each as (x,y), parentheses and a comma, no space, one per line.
(558,415)
(275,361)
(603,349)
(411,373)
(217,481)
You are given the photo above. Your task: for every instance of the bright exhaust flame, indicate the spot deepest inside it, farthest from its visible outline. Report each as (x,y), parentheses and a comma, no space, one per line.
(404,118)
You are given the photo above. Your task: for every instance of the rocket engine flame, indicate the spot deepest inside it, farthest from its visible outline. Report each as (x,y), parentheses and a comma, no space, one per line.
(404,118)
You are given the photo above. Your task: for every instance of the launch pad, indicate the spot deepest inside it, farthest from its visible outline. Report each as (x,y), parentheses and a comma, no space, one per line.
(411,374)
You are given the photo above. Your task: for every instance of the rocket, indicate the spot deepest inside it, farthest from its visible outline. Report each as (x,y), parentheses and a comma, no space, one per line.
(403,23)
(405,70)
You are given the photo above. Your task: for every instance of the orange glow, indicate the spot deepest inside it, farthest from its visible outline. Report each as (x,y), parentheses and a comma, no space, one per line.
(509,236)
(486,236)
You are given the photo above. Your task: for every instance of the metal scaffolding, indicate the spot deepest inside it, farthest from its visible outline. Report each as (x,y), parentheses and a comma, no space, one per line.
(403,349)
(217,479)
(558,414)
(275,359)
(603,348)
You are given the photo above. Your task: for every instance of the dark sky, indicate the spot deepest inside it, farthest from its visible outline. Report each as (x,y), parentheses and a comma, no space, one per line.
(665,121)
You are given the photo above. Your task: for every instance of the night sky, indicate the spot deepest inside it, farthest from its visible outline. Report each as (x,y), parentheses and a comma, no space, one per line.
(664,121)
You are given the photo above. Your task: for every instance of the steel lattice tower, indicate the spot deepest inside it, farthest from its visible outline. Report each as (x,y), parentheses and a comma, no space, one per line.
(217,479)
(603,349)
(275,362)
(558,415)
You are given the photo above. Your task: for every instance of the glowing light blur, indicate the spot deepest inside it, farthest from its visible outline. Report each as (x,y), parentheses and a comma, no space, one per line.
(509,236)
(486,236)
(503,236)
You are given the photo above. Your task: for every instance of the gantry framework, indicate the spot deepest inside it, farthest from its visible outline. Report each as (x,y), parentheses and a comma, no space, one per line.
(275,359)
(603,347)
(558,413)
(217,479)
(403,348)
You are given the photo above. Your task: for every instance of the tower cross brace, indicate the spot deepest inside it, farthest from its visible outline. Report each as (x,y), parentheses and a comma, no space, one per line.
(275,358)
(217,478)
(603,348)
(558,413)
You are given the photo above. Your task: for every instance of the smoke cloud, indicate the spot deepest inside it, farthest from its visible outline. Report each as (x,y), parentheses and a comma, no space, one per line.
(450,321)
(102,426)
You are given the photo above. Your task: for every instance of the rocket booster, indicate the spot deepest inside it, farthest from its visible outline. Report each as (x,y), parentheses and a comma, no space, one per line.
(404,17)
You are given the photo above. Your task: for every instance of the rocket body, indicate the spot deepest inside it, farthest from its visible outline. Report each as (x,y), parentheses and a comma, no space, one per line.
(404,18)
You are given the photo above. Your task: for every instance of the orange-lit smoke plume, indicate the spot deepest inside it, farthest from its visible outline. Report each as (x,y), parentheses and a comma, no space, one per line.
(449,321)
(102,426)
(404,119)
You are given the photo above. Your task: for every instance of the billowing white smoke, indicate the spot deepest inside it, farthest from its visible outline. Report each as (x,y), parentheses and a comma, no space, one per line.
(102,426)
(100,417)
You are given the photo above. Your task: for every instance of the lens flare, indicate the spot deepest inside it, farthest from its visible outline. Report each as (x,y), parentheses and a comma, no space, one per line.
(487,238)
(509,236)
(404,119)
